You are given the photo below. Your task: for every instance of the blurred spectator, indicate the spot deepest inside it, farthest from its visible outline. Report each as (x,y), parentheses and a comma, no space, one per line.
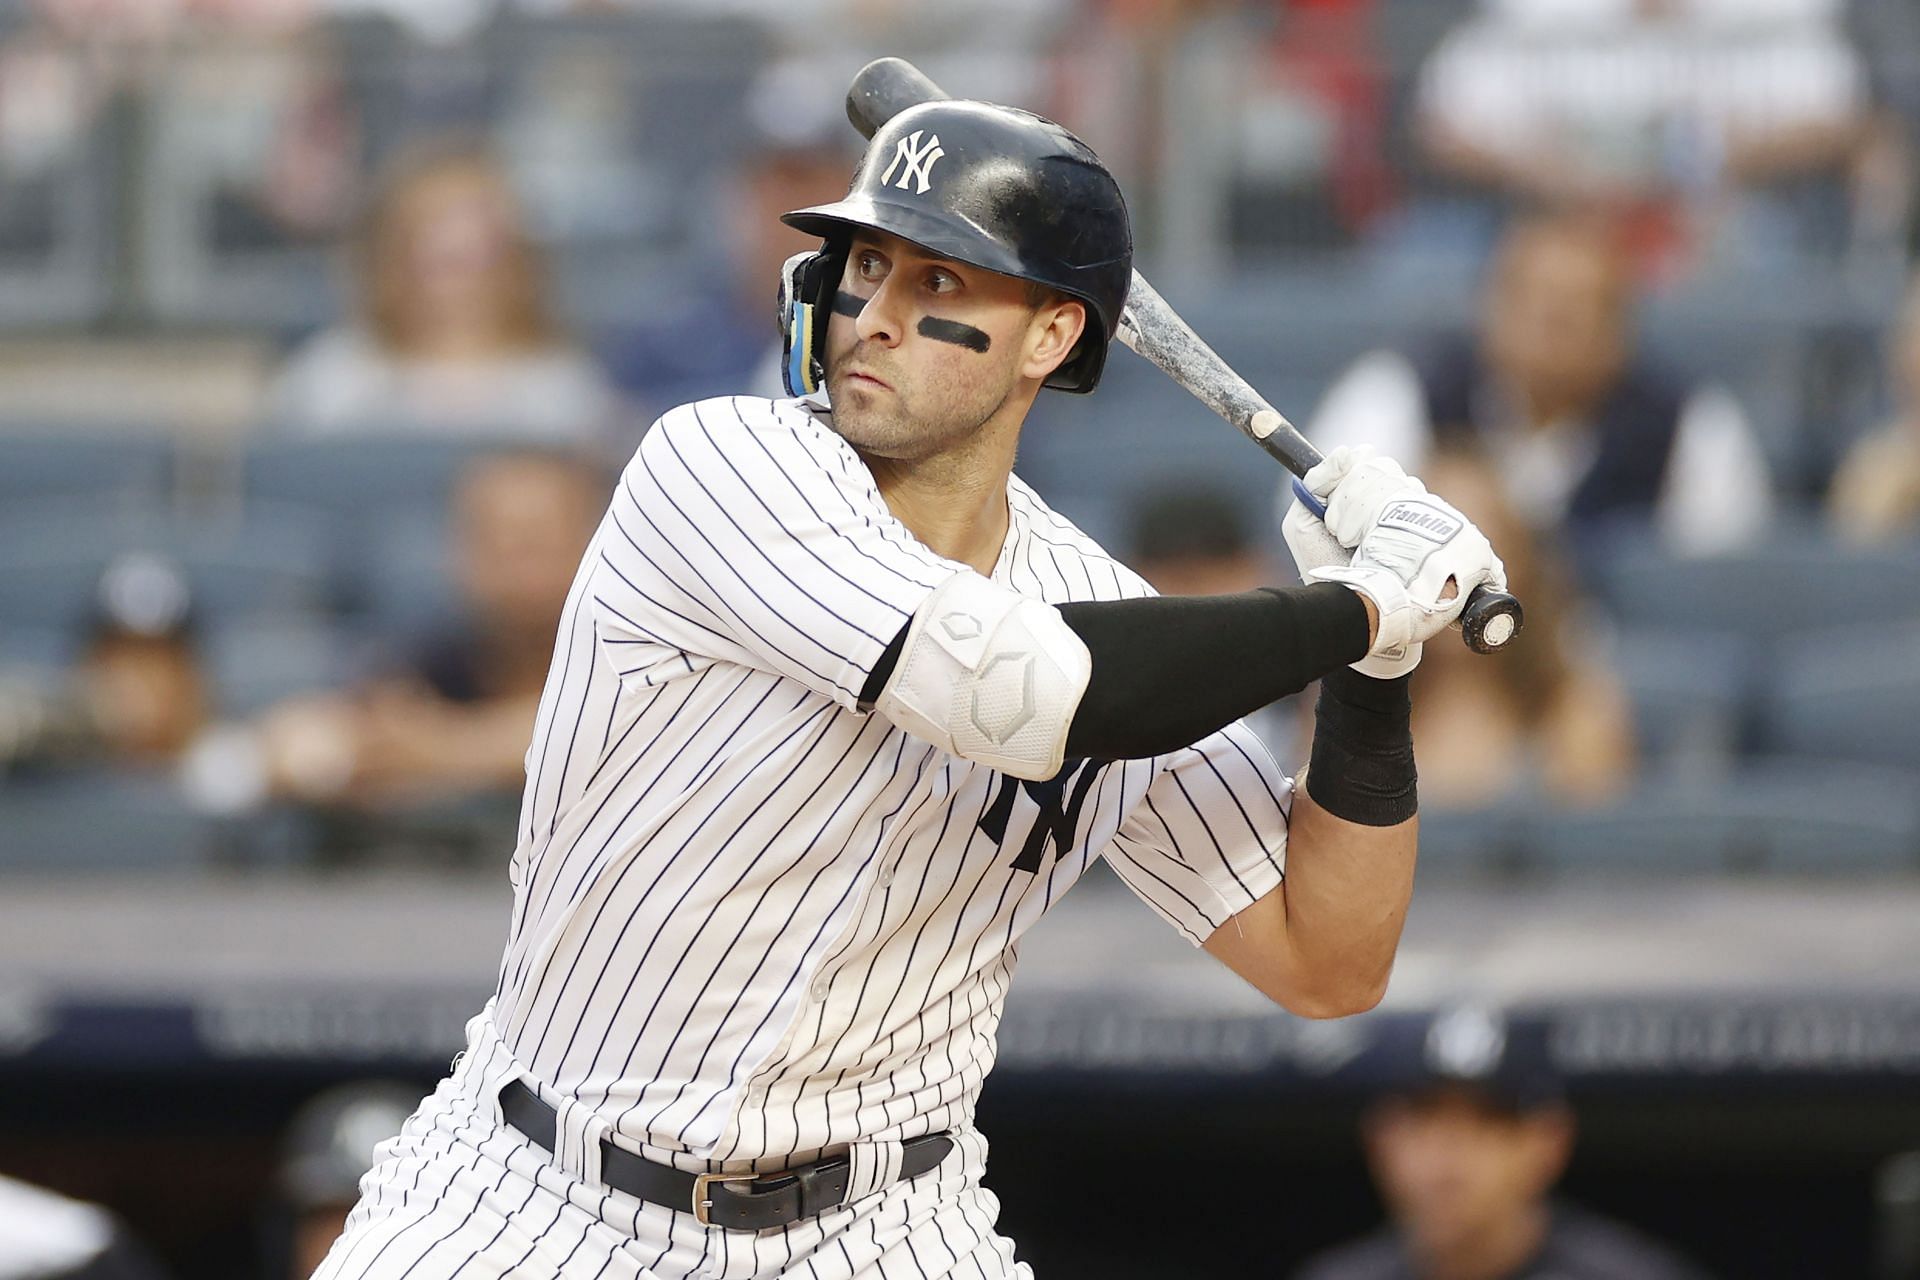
(1588,435)
(1548,717)
(1681,117)
(1876,493)
(454,716)
(800,23)
(1466,1144)
(327,1147)
(1311,165)
(724,340)
(137,696)
(251,117)
(1194,541)
(44,1236)
(456,332)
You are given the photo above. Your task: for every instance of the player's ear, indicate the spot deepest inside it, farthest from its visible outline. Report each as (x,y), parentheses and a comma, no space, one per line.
(1057,325)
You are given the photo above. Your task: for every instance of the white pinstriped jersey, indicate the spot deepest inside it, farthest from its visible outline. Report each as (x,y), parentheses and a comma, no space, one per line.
(752,921)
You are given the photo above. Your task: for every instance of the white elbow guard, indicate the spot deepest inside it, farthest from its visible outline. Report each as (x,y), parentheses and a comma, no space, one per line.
(990,676)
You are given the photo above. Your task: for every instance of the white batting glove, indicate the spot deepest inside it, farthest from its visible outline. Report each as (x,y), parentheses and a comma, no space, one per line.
(1315,548)
(1403,564)
(1355,484)
(1311,542)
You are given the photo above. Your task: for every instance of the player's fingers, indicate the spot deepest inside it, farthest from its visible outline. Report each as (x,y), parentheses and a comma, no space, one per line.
(1359,500)
(1326,475)
(1311,542)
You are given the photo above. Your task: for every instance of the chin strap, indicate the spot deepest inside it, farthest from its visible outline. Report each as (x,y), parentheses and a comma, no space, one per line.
(807,282)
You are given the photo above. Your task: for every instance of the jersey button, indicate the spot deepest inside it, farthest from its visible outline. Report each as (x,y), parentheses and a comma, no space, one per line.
(820,989)
(886,876)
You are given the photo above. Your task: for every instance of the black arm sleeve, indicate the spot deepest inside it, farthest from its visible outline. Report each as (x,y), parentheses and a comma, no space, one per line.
(1169,670)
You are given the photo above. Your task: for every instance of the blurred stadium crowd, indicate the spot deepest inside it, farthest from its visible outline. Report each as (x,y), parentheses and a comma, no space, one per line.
(329,321)
(325,326)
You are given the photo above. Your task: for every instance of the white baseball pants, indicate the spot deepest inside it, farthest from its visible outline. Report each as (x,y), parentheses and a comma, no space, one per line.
(460,1193)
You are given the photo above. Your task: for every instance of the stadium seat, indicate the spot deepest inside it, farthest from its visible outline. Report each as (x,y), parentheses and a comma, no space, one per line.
(1772,816)
(1473,842)
(258,661)
(1689,691)
(51,561)
(99,822)
(34,648)
(384,500)
(1851,693)
(46,462)
(1796,579)
(1825,816)
(400,579)
(1663,833)
(362,476)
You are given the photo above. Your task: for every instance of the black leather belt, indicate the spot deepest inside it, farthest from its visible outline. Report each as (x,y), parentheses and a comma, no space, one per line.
(746,1201)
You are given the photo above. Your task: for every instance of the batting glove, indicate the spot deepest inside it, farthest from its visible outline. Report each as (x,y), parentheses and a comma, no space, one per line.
(1355,485)
(1315,548)
(1403,564)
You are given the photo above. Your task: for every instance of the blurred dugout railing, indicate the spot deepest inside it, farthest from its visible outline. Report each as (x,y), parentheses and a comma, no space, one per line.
(160,193)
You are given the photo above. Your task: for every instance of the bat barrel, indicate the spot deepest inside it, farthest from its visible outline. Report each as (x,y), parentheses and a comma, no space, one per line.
(883,89)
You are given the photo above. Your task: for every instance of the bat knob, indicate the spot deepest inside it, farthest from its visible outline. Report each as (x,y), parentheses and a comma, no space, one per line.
(1491,620)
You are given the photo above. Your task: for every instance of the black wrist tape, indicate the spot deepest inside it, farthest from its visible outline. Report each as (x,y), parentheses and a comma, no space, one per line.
(1361,768)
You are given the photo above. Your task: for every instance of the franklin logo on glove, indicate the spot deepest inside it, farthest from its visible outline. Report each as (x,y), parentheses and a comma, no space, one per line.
(1421,518)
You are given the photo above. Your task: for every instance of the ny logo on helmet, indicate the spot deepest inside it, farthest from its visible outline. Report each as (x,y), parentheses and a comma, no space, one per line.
(919,161)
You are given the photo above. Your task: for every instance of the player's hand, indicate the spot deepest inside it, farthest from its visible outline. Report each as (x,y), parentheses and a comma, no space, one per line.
(1418,564)
(1315,546)
(1355,484)
(1311,542)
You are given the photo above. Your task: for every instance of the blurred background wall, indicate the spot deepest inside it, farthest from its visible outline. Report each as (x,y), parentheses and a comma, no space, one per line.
(324,325)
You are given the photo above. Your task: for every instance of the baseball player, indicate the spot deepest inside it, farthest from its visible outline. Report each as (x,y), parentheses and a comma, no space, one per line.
(838,709)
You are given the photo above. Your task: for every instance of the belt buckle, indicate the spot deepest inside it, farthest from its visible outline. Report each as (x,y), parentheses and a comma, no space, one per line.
(702,1201)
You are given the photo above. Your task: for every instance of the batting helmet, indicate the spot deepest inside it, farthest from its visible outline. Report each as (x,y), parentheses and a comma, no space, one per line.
(991,186)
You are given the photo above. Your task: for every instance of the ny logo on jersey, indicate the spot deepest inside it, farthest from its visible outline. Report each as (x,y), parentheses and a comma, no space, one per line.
(919,160)
(1059,812)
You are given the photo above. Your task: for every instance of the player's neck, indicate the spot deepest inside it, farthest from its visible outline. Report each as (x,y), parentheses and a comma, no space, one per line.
(954,502)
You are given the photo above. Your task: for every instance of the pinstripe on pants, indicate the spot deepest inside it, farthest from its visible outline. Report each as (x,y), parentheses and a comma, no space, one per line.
(460,1194)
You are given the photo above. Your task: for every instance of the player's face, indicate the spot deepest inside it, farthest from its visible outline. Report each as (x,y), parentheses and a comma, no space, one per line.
(1455,1170)
(521,524)
(922,352)
(1556,322)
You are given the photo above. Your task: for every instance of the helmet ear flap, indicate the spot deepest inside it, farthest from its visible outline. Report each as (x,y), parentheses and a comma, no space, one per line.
(807,283)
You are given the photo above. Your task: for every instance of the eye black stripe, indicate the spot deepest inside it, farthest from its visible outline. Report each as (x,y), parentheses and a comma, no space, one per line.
(960,335)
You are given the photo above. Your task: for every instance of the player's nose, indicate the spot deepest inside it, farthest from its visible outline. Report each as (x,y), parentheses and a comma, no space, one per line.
(882,317)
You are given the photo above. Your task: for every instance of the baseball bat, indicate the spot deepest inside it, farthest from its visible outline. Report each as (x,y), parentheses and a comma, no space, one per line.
(888,86)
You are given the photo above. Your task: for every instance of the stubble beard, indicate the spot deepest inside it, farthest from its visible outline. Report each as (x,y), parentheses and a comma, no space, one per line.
(879,422)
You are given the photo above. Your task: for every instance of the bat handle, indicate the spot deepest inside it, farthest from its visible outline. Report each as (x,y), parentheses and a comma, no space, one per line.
(1491,618)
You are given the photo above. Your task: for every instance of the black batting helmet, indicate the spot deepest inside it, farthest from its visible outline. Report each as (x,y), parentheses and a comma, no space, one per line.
(1002,189)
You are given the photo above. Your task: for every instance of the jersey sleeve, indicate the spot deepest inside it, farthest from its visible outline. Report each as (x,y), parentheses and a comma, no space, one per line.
(1209,838)
(741,532)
